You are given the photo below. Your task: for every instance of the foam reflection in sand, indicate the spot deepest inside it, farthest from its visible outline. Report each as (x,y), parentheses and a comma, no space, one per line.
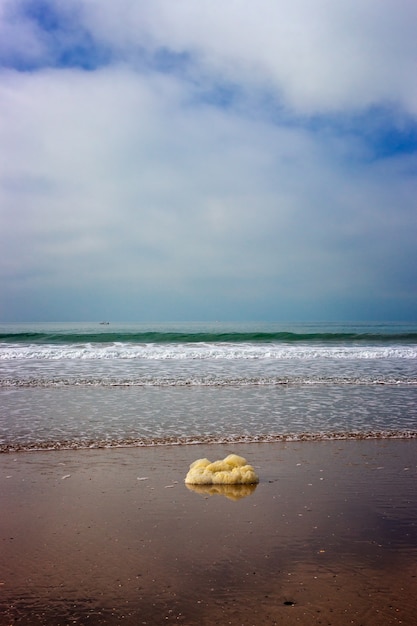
(233,492)
(233,470)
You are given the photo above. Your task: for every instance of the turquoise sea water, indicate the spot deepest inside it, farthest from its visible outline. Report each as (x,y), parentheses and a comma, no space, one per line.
(95,384)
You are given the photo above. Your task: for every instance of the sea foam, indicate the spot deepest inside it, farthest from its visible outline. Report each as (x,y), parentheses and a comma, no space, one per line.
(233,470)
(201,352)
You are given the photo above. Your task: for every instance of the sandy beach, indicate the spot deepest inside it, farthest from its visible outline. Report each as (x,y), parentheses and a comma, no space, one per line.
(329,536)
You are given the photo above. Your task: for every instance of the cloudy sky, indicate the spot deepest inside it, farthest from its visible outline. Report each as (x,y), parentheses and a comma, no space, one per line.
(198,160)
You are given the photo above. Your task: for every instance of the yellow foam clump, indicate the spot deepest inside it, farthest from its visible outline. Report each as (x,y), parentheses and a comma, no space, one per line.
(233,470)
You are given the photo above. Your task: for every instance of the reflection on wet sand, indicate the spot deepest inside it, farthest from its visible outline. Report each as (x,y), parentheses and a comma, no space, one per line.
(232,492)
(328,537)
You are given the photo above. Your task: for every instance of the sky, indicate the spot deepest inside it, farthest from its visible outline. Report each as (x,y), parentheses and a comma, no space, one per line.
(203,160)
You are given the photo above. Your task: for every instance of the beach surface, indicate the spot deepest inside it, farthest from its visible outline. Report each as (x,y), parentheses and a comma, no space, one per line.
(114,536)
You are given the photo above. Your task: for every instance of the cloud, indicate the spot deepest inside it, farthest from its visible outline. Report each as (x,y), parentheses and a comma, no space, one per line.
(197,160)
(319,57)
(316,57)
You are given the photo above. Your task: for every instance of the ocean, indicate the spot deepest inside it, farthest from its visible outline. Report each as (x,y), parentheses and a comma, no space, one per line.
(92,385)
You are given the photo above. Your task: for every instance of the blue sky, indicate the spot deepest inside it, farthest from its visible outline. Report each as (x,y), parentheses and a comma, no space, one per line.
(194,160)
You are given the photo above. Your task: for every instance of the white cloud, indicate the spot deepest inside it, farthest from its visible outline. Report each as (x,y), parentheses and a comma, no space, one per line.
(129,183)
(316,56)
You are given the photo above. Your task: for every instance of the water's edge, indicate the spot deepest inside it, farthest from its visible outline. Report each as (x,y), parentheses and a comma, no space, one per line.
(80,444)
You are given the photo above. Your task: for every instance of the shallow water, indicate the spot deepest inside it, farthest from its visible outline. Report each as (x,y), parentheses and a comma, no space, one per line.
(126,416)
(92,385)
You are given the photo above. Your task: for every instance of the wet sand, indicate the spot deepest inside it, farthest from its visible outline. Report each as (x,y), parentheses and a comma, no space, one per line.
(329,536)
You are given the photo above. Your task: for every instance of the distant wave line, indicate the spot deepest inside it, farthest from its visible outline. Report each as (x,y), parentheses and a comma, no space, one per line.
(202,337)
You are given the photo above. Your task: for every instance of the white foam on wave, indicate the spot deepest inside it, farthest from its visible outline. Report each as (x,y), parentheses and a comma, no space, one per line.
(225,351)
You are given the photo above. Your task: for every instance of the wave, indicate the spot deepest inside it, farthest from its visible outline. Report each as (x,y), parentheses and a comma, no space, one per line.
(83,444)
(158,337)
(201,351)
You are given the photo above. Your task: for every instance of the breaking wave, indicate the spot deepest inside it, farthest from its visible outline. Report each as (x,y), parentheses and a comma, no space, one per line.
(201,351)
(221,336)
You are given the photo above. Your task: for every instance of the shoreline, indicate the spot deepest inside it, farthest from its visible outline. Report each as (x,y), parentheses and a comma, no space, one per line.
(143,442)
(109,536)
